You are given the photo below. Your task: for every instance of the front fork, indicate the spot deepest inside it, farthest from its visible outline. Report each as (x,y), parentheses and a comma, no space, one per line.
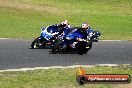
(40,41)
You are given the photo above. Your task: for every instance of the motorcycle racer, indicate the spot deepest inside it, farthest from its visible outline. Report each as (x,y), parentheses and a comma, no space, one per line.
(81,33)
(79,39)
(85,25)
(51,33)
(64,28)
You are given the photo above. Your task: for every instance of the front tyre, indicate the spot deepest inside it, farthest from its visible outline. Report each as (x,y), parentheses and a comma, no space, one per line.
(88,47)
(36,44)
(81,48)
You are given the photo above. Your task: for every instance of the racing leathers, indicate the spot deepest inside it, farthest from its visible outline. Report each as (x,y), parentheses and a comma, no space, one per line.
(78,35)
(90,33)
(75,36)
(64,29)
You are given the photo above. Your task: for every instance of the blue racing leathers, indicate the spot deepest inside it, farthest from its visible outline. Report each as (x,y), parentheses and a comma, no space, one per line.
(75,36)
(90,33)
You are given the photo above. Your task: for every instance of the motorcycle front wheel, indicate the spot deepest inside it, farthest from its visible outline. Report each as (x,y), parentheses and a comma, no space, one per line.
(88,47)
(36,44)
(81,48)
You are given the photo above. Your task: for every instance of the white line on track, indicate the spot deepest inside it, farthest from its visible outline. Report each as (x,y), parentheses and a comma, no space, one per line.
(4,38)
(53,67)
(112,40)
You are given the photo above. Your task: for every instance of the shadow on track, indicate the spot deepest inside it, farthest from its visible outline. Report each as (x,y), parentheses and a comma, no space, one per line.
(67,52)
(40,48)
(63,52)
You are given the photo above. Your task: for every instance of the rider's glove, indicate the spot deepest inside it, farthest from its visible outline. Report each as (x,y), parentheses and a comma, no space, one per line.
(68,38)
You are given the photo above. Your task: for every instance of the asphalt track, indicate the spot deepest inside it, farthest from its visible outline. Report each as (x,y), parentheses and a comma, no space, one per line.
(16,53)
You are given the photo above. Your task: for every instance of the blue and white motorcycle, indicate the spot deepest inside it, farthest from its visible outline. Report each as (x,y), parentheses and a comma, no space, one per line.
(47,37)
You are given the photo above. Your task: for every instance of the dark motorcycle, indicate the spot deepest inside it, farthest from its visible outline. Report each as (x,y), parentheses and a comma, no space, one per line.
(47,37)
(85,45)
(81,47)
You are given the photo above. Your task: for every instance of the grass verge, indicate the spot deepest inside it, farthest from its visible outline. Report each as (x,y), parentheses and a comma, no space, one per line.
(24,18)
(60,78)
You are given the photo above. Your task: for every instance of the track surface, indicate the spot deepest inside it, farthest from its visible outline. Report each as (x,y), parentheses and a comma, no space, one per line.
(15,53)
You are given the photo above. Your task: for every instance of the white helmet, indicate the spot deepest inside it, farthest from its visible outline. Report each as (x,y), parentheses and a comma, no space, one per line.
(65,22)
(85,25)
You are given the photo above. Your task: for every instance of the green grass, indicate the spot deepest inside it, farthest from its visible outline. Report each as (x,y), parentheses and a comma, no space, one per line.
(24,18)
(59,78)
